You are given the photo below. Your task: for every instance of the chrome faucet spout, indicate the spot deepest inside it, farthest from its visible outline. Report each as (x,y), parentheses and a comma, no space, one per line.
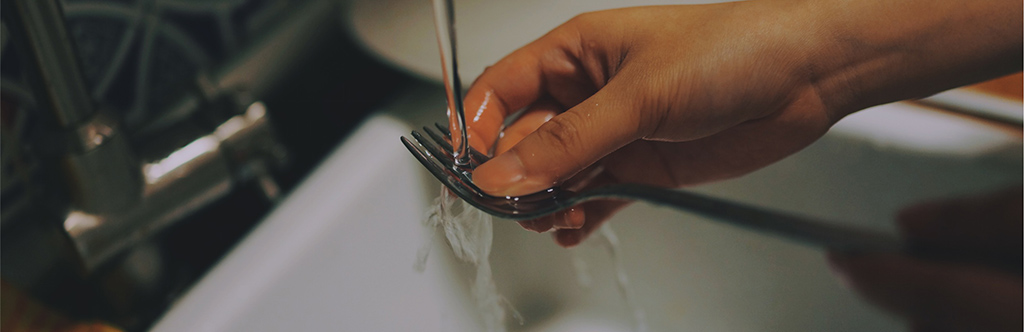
(61,86)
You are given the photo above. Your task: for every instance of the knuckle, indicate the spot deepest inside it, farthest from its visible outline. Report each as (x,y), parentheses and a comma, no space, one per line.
(571,29)
(649,123)
(654,117)
(585,21)
(487,71)
(562,133)
(579,19)
(563,130)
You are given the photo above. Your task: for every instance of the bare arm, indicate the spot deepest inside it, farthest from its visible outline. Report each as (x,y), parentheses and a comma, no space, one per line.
(884,51)
(682,95)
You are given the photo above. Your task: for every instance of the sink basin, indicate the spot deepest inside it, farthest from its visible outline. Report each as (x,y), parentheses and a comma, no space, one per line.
(338,253)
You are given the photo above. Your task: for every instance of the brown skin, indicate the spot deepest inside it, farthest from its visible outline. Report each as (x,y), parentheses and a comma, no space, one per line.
(681,95)
(627,91)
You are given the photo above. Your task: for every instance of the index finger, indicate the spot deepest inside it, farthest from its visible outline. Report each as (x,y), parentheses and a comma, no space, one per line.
(510,84)
(521,78)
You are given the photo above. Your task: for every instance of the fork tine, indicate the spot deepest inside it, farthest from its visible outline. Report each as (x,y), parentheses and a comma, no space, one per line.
(436,166)
(445,159)
(459,180)
(444,129)
(442,141)
(480,158)
(432,151)
(445,143)
(442,166)
(423,156)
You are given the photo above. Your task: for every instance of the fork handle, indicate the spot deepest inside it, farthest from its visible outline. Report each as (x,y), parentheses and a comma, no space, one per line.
(805,230)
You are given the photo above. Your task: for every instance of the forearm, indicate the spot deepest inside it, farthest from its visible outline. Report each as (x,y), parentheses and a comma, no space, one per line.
(879,51)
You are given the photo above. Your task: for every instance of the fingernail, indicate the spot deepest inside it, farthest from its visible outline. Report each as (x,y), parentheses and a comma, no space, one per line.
(499,175)
(571,218)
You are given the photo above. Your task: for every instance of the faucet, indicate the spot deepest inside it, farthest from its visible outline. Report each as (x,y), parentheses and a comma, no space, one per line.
(100,188)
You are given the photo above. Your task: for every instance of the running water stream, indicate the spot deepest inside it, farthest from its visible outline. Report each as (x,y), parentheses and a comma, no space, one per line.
(444,22)
(469,231)
(606,240)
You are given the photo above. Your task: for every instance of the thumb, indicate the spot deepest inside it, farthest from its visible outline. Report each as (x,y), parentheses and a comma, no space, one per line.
(566,144)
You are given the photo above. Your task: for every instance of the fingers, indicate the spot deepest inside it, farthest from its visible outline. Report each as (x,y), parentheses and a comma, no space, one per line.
(729,153)
(959,297)
(562,146)
(574,217)
(596,213)
(551,67)
(571,218)
(575,224)
(514,82)
(510,84)
(538,113)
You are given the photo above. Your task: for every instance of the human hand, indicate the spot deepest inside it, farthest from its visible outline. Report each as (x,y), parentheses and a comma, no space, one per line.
(979,290)
(682,95)
(666,96)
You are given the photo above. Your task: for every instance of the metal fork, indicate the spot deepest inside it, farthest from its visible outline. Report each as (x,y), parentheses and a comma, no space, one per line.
(434,151)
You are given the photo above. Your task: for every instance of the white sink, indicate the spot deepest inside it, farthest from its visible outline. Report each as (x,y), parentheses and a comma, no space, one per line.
(338,253)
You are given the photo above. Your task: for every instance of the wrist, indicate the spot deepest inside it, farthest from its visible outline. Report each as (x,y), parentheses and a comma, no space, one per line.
(867,52)
(803,42)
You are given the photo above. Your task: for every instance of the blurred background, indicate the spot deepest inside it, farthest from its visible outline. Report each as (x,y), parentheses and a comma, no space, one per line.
(116,230)
(142,141)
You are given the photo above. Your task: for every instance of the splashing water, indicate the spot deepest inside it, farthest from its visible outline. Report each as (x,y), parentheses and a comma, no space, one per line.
(469,233)
(607,239)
